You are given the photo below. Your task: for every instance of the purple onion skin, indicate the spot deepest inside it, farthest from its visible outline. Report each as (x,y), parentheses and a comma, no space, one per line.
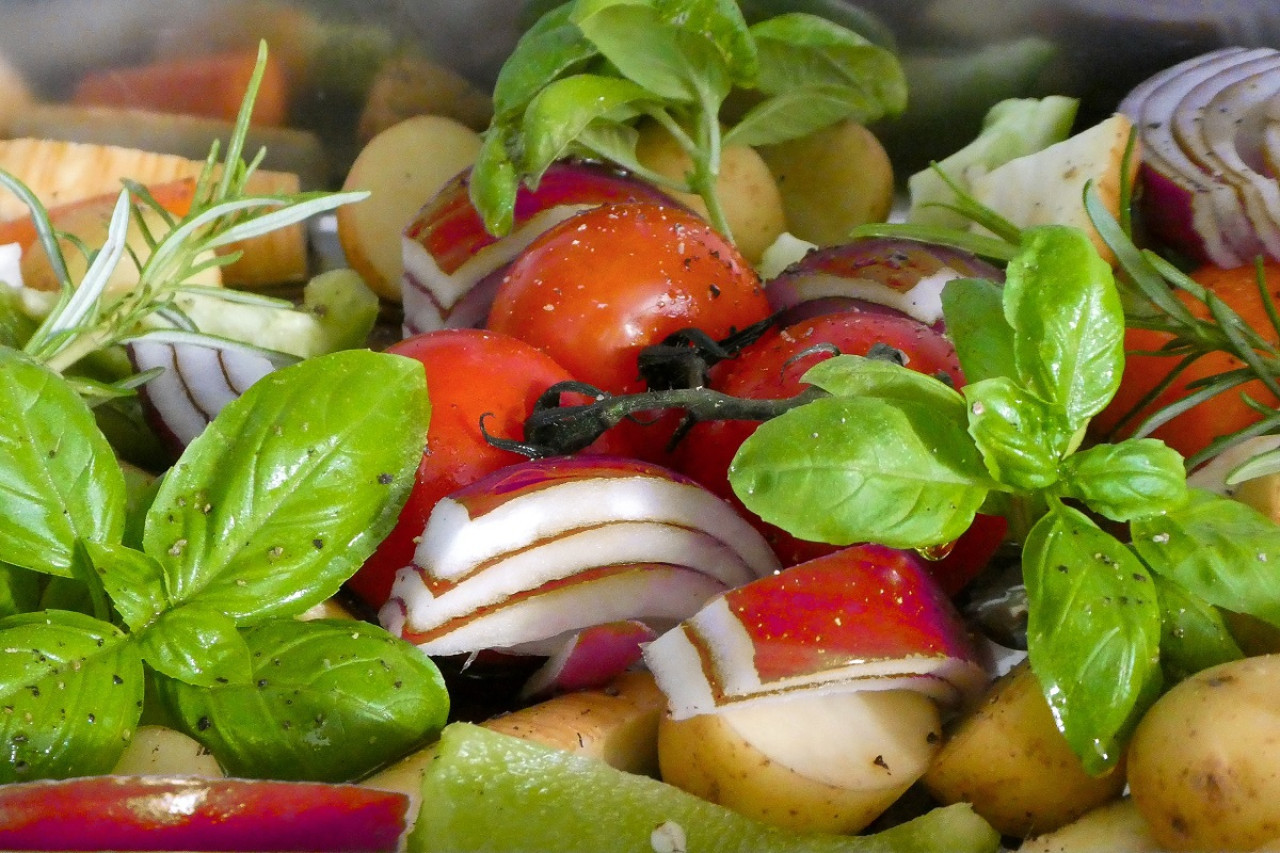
(187,813)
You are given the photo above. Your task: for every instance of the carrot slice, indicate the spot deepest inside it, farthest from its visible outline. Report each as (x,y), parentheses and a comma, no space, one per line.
(212,85)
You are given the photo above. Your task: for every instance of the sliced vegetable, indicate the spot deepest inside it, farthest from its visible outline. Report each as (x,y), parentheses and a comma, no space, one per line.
(482,778)
(1200,126)
(863,618)
(551,546)
(186,813)
(591,658)
(906,275)
(210,85)
(453,266)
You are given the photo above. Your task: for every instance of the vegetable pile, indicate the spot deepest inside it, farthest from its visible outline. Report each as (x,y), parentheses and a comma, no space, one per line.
(857,535)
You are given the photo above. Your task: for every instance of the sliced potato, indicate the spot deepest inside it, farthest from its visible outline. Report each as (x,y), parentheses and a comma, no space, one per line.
(161,751)
(748,193)
(832,181)
(827,763)
(1116,827)
(1048,186)
(1008,759)
(402,168)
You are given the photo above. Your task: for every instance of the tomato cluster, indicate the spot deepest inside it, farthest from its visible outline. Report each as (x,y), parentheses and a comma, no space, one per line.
(581,302)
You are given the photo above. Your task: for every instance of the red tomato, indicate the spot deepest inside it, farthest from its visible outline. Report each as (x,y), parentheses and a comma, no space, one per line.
(600,286)
(771,369)
(471,373)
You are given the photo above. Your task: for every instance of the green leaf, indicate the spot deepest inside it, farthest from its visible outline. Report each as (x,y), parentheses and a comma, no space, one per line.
(71,694)
(552,48)
(675,64)
(1221,550)
(1193,634)
(133,580)
(327,700)
(291,487)
(59,480)
(859,376)
(196,645)
(846,470)
(1093,632)
(562,112)
(723,23)
(790,115)
(1021,438)
(1061,300)
(1126,480)
(19,590)
(801,51)
(974,312)
(16,327)
(494,182)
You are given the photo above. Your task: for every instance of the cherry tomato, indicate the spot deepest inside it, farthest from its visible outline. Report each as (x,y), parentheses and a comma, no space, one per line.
(1193,430)
(771,369)
(471,374)
(600,286)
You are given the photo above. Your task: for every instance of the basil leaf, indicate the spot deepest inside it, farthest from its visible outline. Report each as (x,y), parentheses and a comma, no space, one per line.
(796,113)
(59,481)
(1061,300)
(16,327)
(1126,480)
(801,51)
(196,645)
(291,487)
(71,694)
(675,64)
(133,580)
(494,182)
(859,376)
(561,112)
(328,700)
(846,470)
(1093,632)
(723,23)
(1021,438)
(19,590)
(1193,634)
(974,313)
(552,48)
(1221,550)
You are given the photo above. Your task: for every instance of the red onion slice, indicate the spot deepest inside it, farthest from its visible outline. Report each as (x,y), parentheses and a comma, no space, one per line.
(195,382)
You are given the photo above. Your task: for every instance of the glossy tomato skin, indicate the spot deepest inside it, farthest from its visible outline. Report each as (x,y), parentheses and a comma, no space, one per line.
(771,369)
(600,286)
(471,373)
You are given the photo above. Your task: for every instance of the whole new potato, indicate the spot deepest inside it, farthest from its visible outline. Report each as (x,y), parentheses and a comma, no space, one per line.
(1204,763)
(1007,758)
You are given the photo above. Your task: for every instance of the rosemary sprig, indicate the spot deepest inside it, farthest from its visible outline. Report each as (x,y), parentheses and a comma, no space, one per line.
(86,319)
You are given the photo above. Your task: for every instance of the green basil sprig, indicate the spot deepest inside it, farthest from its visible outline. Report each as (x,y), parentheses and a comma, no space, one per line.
(903,459)
(267,513)
(587,70)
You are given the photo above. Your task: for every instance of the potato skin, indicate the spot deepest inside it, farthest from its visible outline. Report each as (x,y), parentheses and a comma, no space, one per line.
(1204,764)
(807,763)
(1007,758)
(748,193)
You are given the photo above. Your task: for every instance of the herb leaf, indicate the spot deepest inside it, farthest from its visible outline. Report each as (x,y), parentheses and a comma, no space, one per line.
(197,645)
(860,376)
(1127,480)
(1193,636)
(1062,303)
(1021,438)
(923,488)
(133,580)
(1093,632)
(316,689)
(974,312)
(72,691)
(59,480)
(291,487)
(563,111)
(1221,550)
